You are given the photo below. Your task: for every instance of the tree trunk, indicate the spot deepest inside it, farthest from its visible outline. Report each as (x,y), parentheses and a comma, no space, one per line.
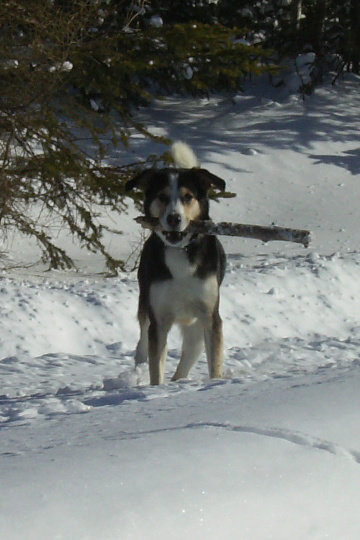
(296,12)
(320,11)
(355,36)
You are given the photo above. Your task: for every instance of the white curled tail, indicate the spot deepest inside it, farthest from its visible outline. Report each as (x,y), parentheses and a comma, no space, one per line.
(183,156)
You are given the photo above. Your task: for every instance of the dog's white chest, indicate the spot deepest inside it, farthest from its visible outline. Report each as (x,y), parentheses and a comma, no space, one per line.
(185,297)
(178,263)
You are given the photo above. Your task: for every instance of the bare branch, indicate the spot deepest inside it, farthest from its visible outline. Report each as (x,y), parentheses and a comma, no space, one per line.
(259,232)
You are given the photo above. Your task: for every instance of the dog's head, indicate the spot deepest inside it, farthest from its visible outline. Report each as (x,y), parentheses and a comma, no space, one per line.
(176,196)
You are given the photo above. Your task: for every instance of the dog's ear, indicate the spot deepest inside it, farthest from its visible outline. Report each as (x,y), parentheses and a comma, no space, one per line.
(209,180)
(141,180)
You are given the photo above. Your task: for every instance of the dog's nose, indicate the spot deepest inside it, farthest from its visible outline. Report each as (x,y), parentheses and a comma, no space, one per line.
(173,220)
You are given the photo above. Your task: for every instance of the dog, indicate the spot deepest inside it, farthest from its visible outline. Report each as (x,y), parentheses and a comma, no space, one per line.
(179,272)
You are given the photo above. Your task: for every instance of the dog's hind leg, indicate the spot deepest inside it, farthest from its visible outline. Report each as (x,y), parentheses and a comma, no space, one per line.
(193,346)
(214,345)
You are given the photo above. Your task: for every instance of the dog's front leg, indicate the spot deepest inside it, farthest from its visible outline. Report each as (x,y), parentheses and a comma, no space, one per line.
(158,332)
(141,354)
(214,345)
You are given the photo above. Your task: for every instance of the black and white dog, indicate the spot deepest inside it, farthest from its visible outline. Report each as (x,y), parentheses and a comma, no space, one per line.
(180,272)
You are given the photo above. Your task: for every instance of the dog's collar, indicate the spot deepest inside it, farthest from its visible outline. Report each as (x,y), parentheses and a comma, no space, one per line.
(191,243)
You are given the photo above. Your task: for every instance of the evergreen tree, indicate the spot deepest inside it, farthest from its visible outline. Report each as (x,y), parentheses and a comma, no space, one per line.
(67,68)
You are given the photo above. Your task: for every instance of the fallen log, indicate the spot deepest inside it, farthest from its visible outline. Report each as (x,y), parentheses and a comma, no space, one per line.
(224,228)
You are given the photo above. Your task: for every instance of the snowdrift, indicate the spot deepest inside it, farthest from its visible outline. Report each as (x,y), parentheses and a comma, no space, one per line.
(90,451)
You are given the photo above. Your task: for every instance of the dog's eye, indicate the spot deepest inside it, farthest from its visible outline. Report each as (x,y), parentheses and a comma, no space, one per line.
(163,198)
(187,198)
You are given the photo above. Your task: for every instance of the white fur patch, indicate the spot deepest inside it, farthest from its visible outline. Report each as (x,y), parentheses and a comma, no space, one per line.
(178,263)
(175,205)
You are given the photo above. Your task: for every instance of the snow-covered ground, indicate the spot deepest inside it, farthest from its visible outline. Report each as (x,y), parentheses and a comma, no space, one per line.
(90,451)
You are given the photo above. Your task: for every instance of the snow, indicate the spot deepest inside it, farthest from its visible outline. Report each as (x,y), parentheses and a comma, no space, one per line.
(156,21)
(64,66)
(89,450)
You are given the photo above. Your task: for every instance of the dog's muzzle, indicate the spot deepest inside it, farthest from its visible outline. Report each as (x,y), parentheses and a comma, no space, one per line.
(175,237)
(174,233)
